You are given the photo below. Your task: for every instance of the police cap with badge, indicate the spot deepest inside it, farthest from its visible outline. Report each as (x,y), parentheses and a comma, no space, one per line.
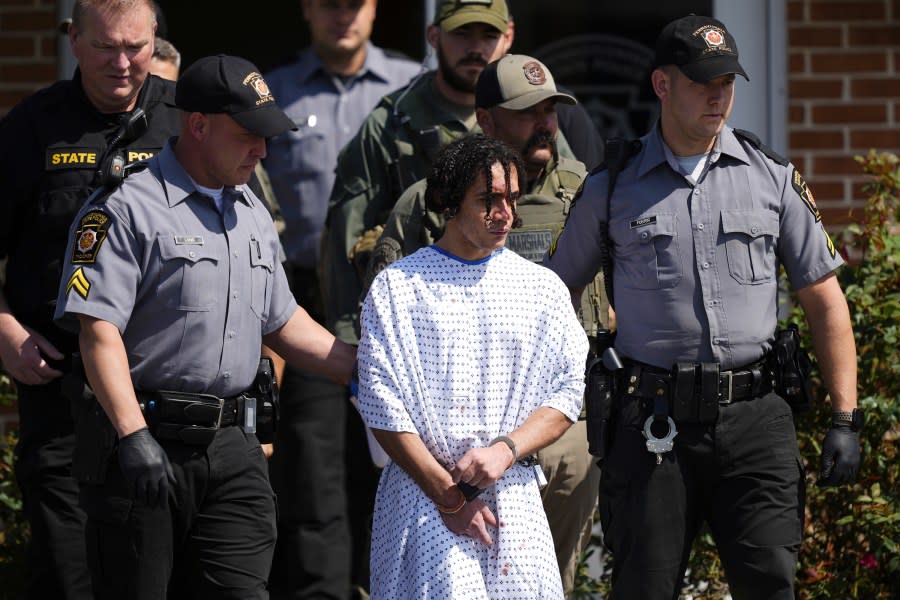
(700,47)
(233,86)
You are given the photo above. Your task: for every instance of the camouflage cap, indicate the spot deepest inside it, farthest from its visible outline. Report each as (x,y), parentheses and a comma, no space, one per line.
(516,82)
(456,13)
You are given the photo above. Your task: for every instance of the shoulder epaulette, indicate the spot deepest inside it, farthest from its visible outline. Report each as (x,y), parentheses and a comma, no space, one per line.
(618,151)
(757,143)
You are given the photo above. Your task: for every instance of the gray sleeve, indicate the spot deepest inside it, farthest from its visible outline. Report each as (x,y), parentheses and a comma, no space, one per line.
(804,247)
(575,254)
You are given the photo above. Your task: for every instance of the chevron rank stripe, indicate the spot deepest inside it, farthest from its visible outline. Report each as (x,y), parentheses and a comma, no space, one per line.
(79,282)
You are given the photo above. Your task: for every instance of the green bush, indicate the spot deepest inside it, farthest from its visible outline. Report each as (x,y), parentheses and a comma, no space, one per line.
(852,532)
(13,528)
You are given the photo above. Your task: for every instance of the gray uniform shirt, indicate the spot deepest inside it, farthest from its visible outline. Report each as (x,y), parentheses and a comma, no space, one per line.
(328,111)
(191,290)
(696,267)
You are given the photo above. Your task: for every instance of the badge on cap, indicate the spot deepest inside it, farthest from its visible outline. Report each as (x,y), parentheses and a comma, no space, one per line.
(534,73)
(714,38)
(259,85)
(89,237)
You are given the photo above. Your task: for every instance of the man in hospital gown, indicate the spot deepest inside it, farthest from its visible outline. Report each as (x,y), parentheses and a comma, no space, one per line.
(471,359)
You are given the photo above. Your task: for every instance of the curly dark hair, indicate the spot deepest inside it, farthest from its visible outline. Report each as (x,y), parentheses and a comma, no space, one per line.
(458,165)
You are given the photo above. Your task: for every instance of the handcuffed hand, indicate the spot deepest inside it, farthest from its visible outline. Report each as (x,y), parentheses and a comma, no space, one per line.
(482,467)
(840,456)
(472,521)
(146,468)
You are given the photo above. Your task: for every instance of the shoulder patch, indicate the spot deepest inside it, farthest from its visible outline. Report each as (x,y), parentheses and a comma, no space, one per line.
(757,143)
(89,237)
(805,194)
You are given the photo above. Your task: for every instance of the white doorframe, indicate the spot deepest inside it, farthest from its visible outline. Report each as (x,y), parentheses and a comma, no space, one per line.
(760,29)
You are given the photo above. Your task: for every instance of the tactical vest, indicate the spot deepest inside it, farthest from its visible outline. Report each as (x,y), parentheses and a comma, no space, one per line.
(543,213)
(417,138)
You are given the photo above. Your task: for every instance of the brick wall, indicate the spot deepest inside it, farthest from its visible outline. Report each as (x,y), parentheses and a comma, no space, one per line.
(28,39)
(844,90)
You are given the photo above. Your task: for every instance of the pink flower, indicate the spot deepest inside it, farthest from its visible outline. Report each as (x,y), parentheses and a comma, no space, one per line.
(868,561)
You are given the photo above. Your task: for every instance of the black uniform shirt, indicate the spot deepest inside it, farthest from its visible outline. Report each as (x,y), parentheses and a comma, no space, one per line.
(50,148)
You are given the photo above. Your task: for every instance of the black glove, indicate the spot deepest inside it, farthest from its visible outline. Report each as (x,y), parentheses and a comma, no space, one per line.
(840,456)
(146,468)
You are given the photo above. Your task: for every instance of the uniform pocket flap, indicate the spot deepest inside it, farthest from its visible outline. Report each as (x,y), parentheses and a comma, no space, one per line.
(753,223)
(260,257)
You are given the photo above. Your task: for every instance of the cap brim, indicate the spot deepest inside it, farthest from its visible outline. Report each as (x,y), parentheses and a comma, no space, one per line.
(531,98)
(710,68)
(464,17)
(266,121)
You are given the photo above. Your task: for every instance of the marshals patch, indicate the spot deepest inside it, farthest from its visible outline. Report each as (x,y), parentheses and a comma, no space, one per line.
(89,237)
(805,194)
(79,282)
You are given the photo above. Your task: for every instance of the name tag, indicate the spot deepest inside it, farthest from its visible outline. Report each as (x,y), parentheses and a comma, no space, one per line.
(644,221)
(189,240)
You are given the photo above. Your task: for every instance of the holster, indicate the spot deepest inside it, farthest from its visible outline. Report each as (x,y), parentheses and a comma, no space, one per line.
(265,387)
(791,366)
(599,394)
(95,437)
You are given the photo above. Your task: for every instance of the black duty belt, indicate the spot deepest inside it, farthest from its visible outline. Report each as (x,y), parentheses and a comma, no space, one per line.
(694,391)
(190,418)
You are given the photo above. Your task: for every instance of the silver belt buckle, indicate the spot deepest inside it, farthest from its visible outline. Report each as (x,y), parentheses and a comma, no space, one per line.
(726,399)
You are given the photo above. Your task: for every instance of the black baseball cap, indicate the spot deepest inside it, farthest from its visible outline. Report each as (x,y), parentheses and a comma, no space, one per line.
(700,46)
(233,86)
(516,82)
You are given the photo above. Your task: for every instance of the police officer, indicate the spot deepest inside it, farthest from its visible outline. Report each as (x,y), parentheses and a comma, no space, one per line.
(51,148)
(327,91)
(515,101)
(174,281)
(698,223)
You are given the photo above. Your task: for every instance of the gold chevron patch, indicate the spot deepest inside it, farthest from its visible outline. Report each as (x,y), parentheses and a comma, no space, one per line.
(79,282)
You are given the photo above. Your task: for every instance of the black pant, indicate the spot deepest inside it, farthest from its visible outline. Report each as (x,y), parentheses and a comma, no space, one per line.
(213,539)
(56,564)
(743,476)
(313,556)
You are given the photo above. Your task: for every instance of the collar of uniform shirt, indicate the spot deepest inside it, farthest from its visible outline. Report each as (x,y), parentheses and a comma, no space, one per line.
(657,151)
(178,185)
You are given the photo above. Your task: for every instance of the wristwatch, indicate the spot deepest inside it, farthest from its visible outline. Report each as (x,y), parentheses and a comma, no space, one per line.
(854,418)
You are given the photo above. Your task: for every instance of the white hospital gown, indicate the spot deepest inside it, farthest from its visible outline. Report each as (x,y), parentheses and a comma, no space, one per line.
(459,353)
